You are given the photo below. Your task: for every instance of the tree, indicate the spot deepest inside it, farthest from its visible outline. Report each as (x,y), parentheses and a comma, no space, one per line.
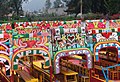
(48,4)
(57,3)
(73,7)
(17,6)
(4,7)
(10,6)
(98,7)
(93,6)
(112,6)
(66,1)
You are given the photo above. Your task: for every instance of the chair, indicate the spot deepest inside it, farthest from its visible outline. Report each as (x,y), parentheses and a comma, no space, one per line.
(114,75)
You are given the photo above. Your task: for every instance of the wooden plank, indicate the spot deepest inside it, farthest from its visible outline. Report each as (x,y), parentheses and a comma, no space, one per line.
(26,76)
(42,71)
(114,81)
(68,72)
(97,67)
(6,78)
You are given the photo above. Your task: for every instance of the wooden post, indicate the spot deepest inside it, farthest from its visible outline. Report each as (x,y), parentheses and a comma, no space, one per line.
(12,77)
(51,74)
(18,79)
(40,78)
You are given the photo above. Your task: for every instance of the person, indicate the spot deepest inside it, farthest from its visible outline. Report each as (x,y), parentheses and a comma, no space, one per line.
(82,64)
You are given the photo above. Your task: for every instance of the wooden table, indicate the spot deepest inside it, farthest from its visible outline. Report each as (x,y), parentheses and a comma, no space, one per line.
(26,76)
(69,73)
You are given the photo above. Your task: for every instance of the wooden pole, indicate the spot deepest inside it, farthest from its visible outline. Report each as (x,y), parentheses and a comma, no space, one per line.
(81,7)
(12,77)
(51,74)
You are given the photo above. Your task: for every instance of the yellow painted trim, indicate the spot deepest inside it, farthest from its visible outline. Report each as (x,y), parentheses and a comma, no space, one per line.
(98,78)
(16,44)
(45,40)
(114,81)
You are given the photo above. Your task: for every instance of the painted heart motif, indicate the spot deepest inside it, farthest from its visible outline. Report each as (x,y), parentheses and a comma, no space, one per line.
(90,26)
(101,25)
(106,34)
(31,43)
(71,38)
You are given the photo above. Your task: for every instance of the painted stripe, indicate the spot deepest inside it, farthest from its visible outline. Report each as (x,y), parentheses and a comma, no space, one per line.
(118,56)
(118,48)
(5,53)
(22,53)
(1,35)
(96,53)
(97,58)
(116,29)
(34,51)
(19,55)
(27,52)
(31,52)
(97,31)
(97,50)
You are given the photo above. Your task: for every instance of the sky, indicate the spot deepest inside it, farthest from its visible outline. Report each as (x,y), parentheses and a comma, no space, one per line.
(32,5)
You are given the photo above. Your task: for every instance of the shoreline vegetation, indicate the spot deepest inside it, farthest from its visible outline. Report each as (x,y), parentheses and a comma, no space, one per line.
(89,16)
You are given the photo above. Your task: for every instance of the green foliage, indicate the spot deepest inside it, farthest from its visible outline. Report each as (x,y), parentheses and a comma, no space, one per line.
(48,4)
(113,6)
(66,1)
(92,16)
(93,6)
(73,7)
(57,3)
(4,8)
(16,6)
(10,7)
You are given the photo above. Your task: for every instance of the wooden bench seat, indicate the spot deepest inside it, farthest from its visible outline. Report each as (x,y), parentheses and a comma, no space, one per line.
(26,76)
(68,72)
